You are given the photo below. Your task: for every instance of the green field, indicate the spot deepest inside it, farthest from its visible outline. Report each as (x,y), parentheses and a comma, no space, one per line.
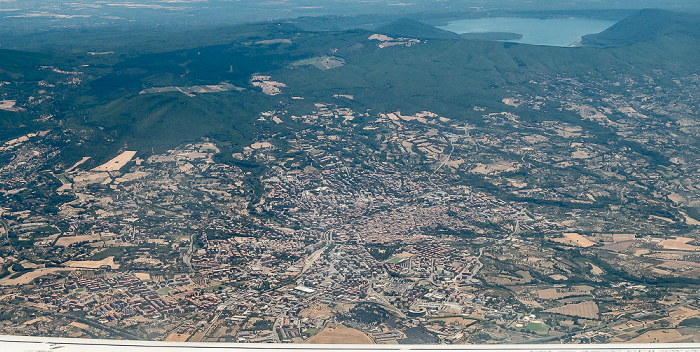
(311,332)
(395,260)
(537,327)
(164,291)
(109,252)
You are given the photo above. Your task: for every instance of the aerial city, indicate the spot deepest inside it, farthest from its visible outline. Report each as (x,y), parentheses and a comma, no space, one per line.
(434,172)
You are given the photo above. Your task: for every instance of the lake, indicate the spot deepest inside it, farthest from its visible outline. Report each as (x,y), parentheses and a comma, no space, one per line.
(553,32)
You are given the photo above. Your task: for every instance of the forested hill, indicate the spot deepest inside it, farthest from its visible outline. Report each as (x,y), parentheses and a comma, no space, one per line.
(645,25)
(109,95)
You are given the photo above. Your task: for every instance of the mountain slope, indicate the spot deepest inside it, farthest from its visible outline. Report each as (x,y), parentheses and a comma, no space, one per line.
(450,76)
(165,120)
(645,25)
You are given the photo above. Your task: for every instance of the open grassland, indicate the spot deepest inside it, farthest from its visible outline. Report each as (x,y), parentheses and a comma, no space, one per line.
(537,327)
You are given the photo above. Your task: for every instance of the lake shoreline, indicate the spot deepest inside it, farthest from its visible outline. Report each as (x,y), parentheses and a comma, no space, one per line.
(563,32)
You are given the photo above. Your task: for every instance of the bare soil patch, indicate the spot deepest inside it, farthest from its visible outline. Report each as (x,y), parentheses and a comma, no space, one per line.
(618,246)
(30,276)
(68,240)
(177,337)
(595,270)
(583,309)
(659,336)
(339,334)
(143,276)
(574,239)
(557,293)
(196,337)
(622,237)
(679,264)
(116,163)
(93,264)
(317,311)
(684,312)
(679,243)
(79,325)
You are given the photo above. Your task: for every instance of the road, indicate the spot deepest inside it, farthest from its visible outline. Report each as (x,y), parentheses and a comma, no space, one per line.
(7,232)
(187,258)
(220,309)
(211,325)
(278,326)
(479,265)
(383,301)
(444,161)
(317,254)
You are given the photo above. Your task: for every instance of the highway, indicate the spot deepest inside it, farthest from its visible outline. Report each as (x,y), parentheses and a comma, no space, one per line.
(187,258)
(317,254)
(381,300)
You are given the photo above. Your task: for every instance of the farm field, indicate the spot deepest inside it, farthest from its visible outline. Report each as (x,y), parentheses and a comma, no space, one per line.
(679,243)
(575,239)
(583,310)
(68,240)
(554,293)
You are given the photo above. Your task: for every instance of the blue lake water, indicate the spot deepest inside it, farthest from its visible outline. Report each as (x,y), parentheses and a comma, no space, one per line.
(554,32)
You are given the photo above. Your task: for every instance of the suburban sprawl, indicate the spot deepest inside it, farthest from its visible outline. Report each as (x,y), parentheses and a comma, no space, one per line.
(562,207)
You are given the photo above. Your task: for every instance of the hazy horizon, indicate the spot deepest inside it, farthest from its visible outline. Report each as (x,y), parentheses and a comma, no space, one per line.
(41,15)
